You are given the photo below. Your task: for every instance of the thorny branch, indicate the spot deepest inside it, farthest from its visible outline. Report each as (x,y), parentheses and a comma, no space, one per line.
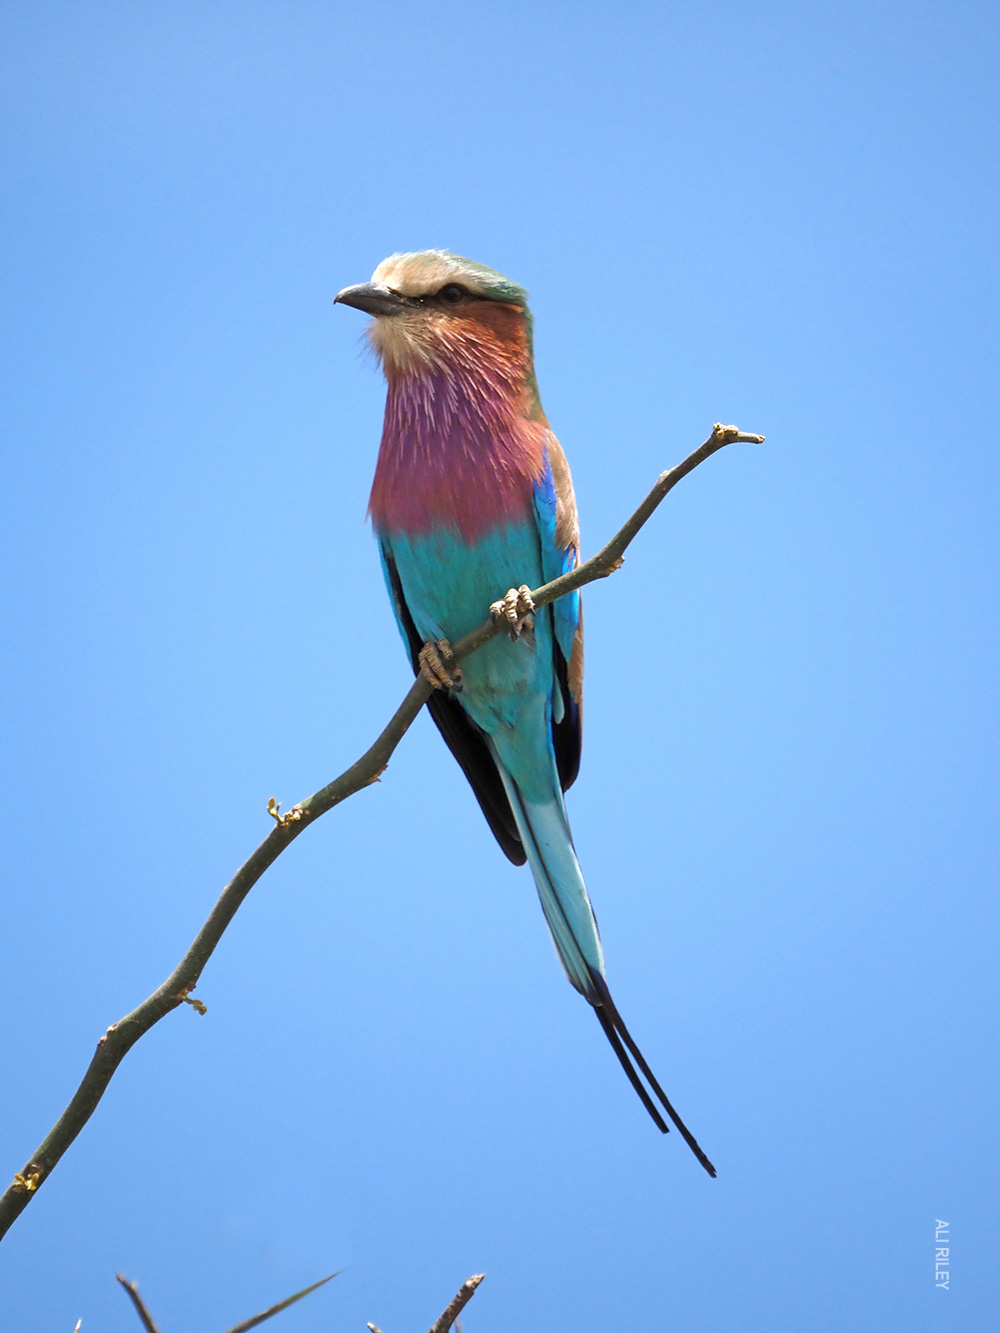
(132,1291)
(122,1036)
(147,1319)
(450,1317)
(465,1294)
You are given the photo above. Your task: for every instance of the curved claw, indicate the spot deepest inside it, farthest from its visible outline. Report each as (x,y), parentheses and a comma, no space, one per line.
(438,666)
(515,611)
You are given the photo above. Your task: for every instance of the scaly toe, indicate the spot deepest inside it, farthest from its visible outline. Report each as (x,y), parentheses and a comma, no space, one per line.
(503,613)
(525,605)
(438,666)
(513,612)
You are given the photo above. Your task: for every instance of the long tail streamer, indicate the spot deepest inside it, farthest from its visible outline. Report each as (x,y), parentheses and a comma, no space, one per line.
(548,844)
(616,1032)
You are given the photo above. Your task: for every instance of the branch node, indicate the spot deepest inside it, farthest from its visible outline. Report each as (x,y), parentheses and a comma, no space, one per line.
(733,435)
(288,818)
(28,1181)
(185,997)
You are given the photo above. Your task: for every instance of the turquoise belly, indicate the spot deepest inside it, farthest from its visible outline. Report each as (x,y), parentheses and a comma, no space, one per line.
(449,584)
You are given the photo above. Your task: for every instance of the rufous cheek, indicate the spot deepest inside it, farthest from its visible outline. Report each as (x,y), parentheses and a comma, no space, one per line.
(504,323)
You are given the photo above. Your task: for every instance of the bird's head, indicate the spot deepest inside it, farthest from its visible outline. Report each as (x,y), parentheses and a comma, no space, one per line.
(434,309)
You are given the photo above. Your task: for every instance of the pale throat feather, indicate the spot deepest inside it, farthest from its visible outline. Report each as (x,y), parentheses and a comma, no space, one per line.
(458,448)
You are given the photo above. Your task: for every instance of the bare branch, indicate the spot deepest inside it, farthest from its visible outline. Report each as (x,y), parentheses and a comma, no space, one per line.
(465,1294)
(450,1317)
(150,1327)
(122,1036)
(136,1299)
(277,1309)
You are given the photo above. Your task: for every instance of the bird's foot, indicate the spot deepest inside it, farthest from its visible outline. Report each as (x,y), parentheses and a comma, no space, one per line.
(515,611)
(438,666)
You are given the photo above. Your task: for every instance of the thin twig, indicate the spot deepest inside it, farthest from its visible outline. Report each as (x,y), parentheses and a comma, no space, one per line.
(450,1317)
(277,1309)
(136,1299)
(122,1036)
(150,1327)
(465,1294)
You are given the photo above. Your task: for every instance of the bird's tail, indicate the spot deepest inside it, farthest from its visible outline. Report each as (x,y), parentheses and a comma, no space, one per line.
(548,843)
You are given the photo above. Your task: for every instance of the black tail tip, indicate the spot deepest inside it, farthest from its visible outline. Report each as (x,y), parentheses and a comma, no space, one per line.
(620,1038)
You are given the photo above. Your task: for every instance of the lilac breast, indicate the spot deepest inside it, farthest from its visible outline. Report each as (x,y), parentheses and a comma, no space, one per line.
(457,452)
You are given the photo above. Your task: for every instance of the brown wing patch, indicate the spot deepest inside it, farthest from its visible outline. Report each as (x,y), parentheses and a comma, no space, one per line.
(567,523)
(575,673)
(568,537)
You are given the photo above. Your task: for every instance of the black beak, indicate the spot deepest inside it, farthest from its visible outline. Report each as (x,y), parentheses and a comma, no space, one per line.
(373,298)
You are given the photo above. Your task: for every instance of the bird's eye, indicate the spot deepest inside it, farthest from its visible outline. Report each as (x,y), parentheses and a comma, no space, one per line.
(452,294)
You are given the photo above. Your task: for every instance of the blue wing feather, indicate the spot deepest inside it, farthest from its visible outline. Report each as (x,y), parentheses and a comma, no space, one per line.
(556,560)
(403,620)
(462,736)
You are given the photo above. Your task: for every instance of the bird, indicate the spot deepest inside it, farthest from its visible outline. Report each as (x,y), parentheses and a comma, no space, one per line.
(472,493)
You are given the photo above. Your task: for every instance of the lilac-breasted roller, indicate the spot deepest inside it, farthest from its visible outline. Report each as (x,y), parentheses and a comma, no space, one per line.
(472,494)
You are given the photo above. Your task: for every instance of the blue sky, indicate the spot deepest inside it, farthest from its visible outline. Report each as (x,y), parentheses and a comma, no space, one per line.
(778,215)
